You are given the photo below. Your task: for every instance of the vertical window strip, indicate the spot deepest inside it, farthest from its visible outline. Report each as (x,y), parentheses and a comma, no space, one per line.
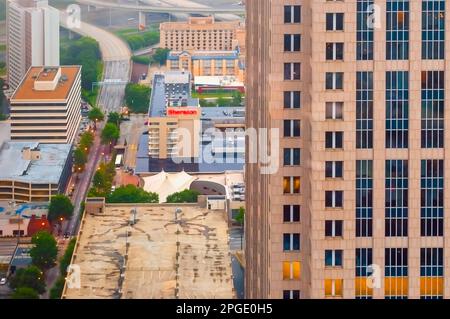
(396,273)
(433,29)
(432,198)
(364,31)
(397,30)
(431,273)
(433,94)
(364,110)
(397,109)
(364,200)
(396,198)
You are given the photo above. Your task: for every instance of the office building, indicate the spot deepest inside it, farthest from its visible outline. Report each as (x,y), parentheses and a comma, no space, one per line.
(32,36)
(33,172)
(46,107)
(359,100)
(202,34)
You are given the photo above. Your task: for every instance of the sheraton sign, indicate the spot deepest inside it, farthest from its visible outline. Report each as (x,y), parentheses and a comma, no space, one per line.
(183,112)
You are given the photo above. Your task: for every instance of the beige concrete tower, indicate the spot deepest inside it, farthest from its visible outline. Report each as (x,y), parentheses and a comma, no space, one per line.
(373,82)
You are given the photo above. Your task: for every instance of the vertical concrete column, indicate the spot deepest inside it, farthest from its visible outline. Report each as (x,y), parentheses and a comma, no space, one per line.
(142,21)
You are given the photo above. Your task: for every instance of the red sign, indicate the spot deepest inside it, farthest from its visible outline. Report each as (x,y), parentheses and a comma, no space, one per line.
(182,111)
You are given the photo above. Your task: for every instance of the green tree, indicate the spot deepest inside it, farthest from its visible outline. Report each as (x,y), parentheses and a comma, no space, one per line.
(60,207)
(79,157)
(114,118)
(137,97)
(25,293)
(96,115)
(222,101)
(102,181)
(86,141)
(186,196)
(44,251)
(160,55)
(132,194)
(240,216)
(30,277)
(64,262)
(84,51)
(110,133)
(57,289)
(236,98)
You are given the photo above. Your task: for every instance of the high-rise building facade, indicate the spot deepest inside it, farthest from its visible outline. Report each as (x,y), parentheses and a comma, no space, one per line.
(357,206)
(202,34)
(32,35)
(46,106)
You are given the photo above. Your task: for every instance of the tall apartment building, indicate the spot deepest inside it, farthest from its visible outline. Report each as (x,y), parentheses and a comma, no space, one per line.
(46,107)
(32,35)
(359,97)
(202,34)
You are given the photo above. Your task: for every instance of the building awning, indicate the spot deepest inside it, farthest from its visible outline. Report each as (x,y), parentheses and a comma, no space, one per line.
(165,184)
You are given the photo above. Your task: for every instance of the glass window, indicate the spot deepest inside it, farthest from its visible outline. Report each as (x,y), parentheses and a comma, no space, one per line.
(291,242)
(334,110)
(397,29)
(335,21)
(397,109)
(364,199)
(292,99)
(433,29)
(433,96)
(432,198)
(396,198)
(364,31)
(364,110)
(291,213)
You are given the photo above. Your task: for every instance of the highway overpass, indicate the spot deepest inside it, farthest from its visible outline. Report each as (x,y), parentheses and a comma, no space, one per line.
(113,4)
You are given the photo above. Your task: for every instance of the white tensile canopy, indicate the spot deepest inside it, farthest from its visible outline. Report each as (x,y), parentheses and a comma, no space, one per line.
(165,184)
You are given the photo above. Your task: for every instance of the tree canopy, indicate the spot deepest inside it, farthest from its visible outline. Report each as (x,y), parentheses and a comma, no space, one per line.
(186,196)
(160,55)
(96,115)
(79,157)
(132,194)
(110,133)
(25,293)
(240,216)
(45,250)
(114,118)
(60,207)
(137,97)
(102,181)
(30,277)
(86,52)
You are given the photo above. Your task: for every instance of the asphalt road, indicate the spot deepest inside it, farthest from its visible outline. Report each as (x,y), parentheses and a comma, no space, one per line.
(116,56)
(111,96)
(82,186)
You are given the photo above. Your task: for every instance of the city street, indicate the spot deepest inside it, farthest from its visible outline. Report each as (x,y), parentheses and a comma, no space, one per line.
(82,186)
(131,131)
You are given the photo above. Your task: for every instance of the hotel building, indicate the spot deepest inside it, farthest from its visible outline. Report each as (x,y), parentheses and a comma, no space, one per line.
(207,63)
(202,34)
(46,107)
(357,89)
(32,35)
(172,111)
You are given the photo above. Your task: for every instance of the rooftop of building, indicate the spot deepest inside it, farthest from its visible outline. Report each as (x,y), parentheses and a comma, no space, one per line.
(145,165)
(27,91)
(45,170)
(224,81)
(200,23)
(204,55)
(177,77)
(172,86)
(186,256)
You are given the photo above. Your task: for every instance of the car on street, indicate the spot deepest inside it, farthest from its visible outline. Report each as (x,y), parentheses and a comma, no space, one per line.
(3,281)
